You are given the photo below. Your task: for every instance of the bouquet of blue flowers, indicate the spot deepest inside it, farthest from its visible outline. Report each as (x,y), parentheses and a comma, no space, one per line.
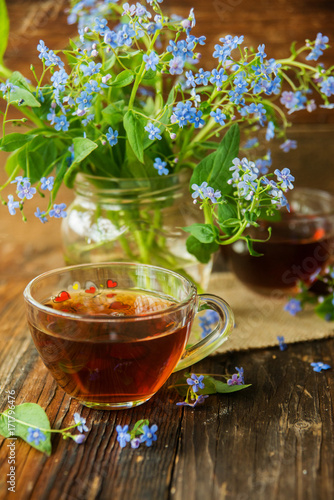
(129,98)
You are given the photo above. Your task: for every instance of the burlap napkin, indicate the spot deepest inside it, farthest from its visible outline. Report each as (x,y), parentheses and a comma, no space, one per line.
(261,318)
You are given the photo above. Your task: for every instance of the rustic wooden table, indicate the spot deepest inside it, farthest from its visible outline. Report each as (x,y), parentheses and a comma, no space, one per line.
(274,440)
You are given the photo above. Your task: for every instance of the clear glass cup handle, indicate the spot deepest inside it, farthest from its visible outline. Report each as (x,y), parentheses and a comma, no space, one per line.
(213,340)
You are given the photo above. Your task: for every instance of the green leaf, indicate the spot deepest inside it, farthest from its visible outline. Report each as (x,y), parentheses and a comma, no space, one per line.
(227,217)
(325,309)
(16,422)
(18,94)
(181,385)
(109,62)
(18,79)
(138,425)
(204,233)
(222,387)
(113,113)
(123,79)
(226,211)
(73,44)
(22,92)
(135,132)
(11,142)
(202,251)
(212,386)
(4,29)
(82,148)
(149,75)
(209,388)
(214,169)
(12,162)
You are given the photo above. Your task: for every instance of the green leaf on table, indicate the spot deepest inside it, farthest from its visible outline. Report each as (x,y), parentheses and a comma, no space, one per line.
(221,387)
(181,386)
(211,386)
(205,233)
(14,141)
(135,132)
(226,211)
(138,424)
(4,29)
(202,251)
(16,422)
(214,168)
(123,79)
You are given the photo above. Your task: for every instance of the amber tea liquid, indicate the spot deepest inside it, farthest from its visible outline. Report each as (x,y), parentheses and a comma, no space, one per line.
(101,362)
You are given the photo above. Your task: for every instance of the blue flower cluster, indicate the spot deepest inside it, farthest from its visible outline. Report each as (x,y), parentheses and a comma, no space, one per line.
(25,191)
(246,179)
(237,378)
(205,192)
(319,45)
(36,436)
(195,382)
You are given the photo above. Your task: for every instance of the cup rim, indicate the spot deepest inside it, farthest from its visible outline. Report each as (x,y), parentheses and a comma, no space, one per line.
(105,318)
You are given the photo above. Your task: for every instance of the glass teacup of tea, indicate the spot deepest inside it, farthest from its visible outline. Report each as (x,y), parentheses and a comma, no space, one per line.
(112,333)
(300,246)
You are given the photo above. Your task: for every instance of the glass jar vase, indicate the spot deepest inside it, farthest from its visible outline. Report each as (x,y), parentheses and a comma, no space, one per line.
(133,220)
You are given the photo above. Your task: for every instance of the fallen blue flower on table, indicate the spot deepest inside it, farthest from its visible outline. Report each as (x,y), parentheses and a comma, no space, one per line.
(196,382)
(149,435)
(82,421)
(293,306)
(198,401)
(123,436)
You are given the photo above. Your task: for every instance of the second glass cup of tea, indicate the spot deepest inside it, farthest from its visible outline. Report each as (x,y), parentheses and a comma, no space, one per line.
(301,244)
(111,334)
